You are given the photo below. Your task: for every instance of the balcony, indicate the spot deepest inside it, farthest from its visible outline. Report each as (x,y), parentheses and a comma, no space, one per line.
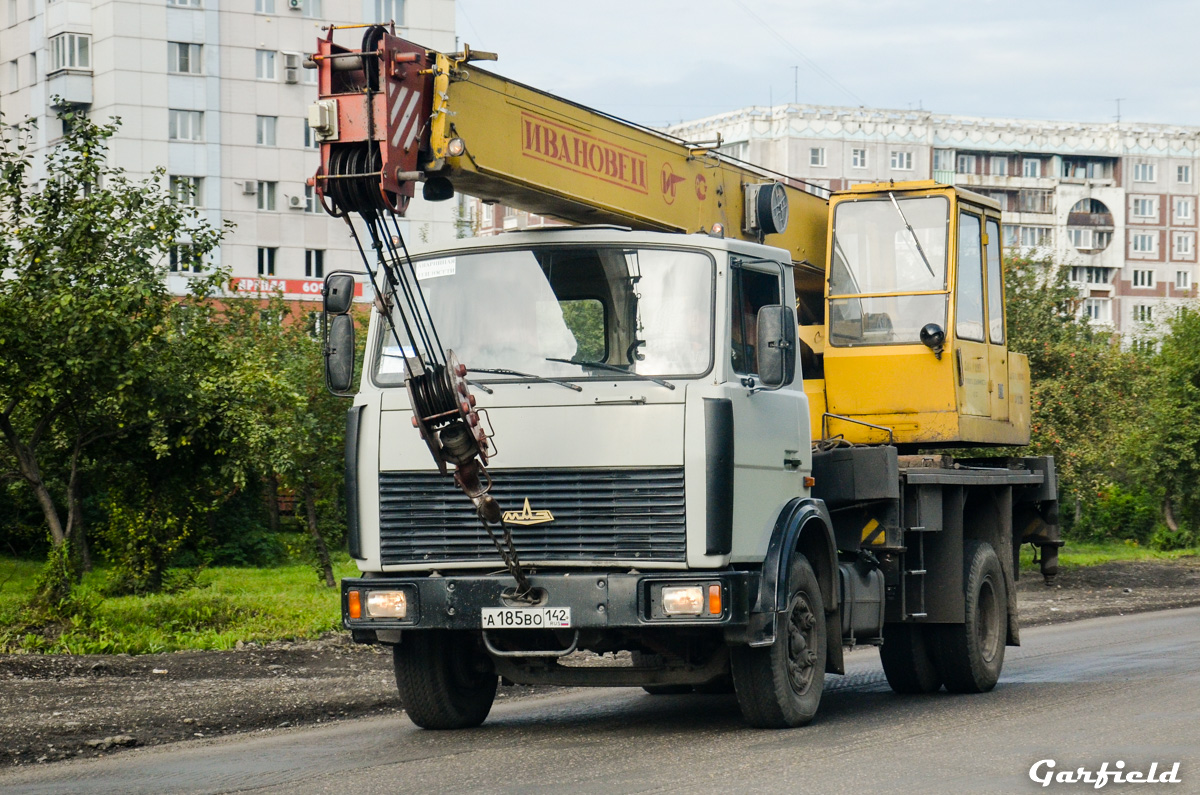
(69,88)
(1093,220)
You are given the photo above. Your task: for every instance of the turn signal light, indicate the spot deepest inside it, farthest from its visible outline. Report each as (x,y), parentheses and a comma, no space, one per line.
(686,601)
(714,600)
(354,604)
(455,147)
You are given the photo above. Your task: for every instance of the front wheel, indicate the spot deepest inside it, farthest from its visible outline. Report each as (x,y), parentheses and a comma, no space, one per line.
(969,656)
(780,686)
(445,679)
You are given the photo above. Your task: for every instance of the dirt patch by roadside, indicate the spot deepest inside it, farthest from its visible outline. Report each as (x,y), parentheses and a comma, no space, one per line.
(61,706)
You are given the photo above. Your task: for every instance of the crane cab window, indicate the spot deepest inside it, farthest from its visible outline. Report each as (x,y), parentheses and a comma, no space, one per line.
(752,290)
(969,304)
(887,275)
(995,287)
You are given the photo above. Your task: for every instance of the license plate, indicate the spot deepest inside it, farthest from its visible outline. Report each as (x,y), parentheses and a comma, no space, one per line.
(526,618)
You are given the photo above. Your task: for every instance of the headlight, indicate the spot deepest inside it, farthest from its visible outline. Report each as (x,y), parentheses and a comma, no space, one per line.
(387,604)
(685,601)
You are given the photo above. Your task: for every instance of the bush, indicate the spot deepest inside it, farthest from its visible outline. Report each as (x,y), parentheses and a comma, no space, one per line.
(1119,515)
(1165,539)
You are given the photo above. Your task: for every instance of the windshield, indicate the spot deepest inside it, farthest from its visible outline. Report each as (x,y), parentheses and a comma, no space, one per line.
(880,268)
(606,311)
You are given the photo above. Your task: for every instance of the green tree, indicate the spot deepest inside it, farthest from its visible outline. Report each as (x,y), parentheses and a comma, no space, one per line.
(1086,392)
(82,304)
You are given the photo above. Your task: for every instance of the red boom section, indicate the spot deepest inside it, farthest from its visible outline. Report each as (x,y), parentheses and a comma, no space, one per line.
(372,120)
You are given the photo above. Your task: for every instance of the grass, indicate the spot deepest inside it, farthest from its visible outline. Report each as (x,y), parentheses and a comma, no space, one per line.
(227,605)
(1078,553)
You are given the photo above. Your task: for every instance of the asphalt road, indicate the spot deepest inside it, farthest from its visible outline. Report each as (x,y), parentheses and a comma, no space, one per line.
(1123,688)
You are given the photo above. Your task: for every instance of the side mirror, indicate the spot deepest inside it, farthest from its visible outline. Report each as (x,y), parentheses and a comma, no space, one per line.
(933,338)
(339,355)
(776,345)
(337,295)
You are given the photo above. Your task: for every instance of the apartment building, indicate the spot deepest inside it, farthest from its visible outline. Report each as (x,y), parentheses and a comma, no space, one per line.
(1117,202)
(215,92)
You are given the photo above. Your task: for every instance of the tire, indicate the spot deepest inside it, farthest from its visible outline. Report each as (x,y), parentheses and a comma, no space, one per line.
(969,656)
(779,686)
(907,661)
(445,679)
(667,690)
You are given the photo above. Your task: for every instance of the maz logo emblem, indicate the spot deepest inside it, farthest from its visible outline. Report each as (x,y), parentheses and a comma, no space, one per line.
(525,516)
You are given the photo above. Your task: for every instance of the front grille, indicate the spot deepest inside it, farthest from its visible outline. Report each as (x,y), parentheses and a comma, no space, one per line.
(599,514)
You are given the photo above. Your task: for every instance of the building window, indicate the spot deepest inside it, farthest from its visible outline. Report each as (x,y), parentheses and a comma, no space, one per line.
(1086,274)
(1183,175)
(264,6)
(1090,169)
(1183,245)
(188,3)
(1183,280)
(964,164)
(184,59)
(1089,239)
(1183,209)
(998,167)
(312,204)
(1143,172)
(902,161)
(1143,313)
(816,156)
(314,263)
(1035,236)
(1035,201)
(184,259)
(266,195)
(13,79)
(266,261)
(1144,244)
(1143,278)
(943,160)
(858,158)
(264,64)
(185,125)
(389,11)
(1098,310)
(1031,167)
(1145,207)
(312,9)
(264,130)
(187,190)
(70,51)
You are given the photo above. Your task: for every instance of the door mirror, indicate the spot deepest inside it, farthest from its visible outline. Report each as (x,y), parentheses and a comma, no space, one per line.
(776,346)
(933,338)
(338,293)
(339,354)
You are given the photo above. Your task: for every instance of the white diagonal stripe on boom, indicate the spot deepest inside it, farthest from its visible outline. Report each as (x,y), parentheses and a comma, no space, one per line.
(397,100)
(404,122)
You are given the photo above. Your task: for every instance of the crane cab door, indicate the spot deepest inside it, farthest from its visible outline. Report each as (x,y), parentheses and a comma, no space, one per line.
(997,342)
(971,355)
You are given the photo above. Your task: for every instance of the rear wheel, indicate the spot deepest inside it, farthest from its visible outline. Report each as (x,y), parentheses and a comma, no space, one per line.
(907,661)
(969,656)
(780,686)
(445,679)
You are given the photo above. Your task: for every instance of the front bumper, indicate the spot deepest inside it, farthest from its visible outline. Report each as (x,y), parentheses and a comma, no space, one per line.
(598,600)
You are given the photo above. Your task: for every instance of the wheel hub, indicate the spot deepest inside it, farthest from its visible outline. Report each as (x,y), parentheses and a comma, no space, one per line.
(800,644)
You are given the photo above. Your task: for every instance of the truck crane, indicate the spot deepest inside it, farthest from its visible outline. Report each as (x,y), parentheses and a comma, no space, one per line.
(702,434)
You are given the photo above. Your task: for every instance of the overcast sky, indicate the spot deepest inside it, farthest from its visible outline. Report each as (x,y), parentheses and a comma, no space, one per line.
(663,61)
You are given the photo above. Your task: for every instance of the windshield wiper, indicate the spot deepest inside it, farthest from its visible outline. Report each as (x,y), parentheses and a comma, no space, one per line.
(530,376)
(614,368)
(908,226)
